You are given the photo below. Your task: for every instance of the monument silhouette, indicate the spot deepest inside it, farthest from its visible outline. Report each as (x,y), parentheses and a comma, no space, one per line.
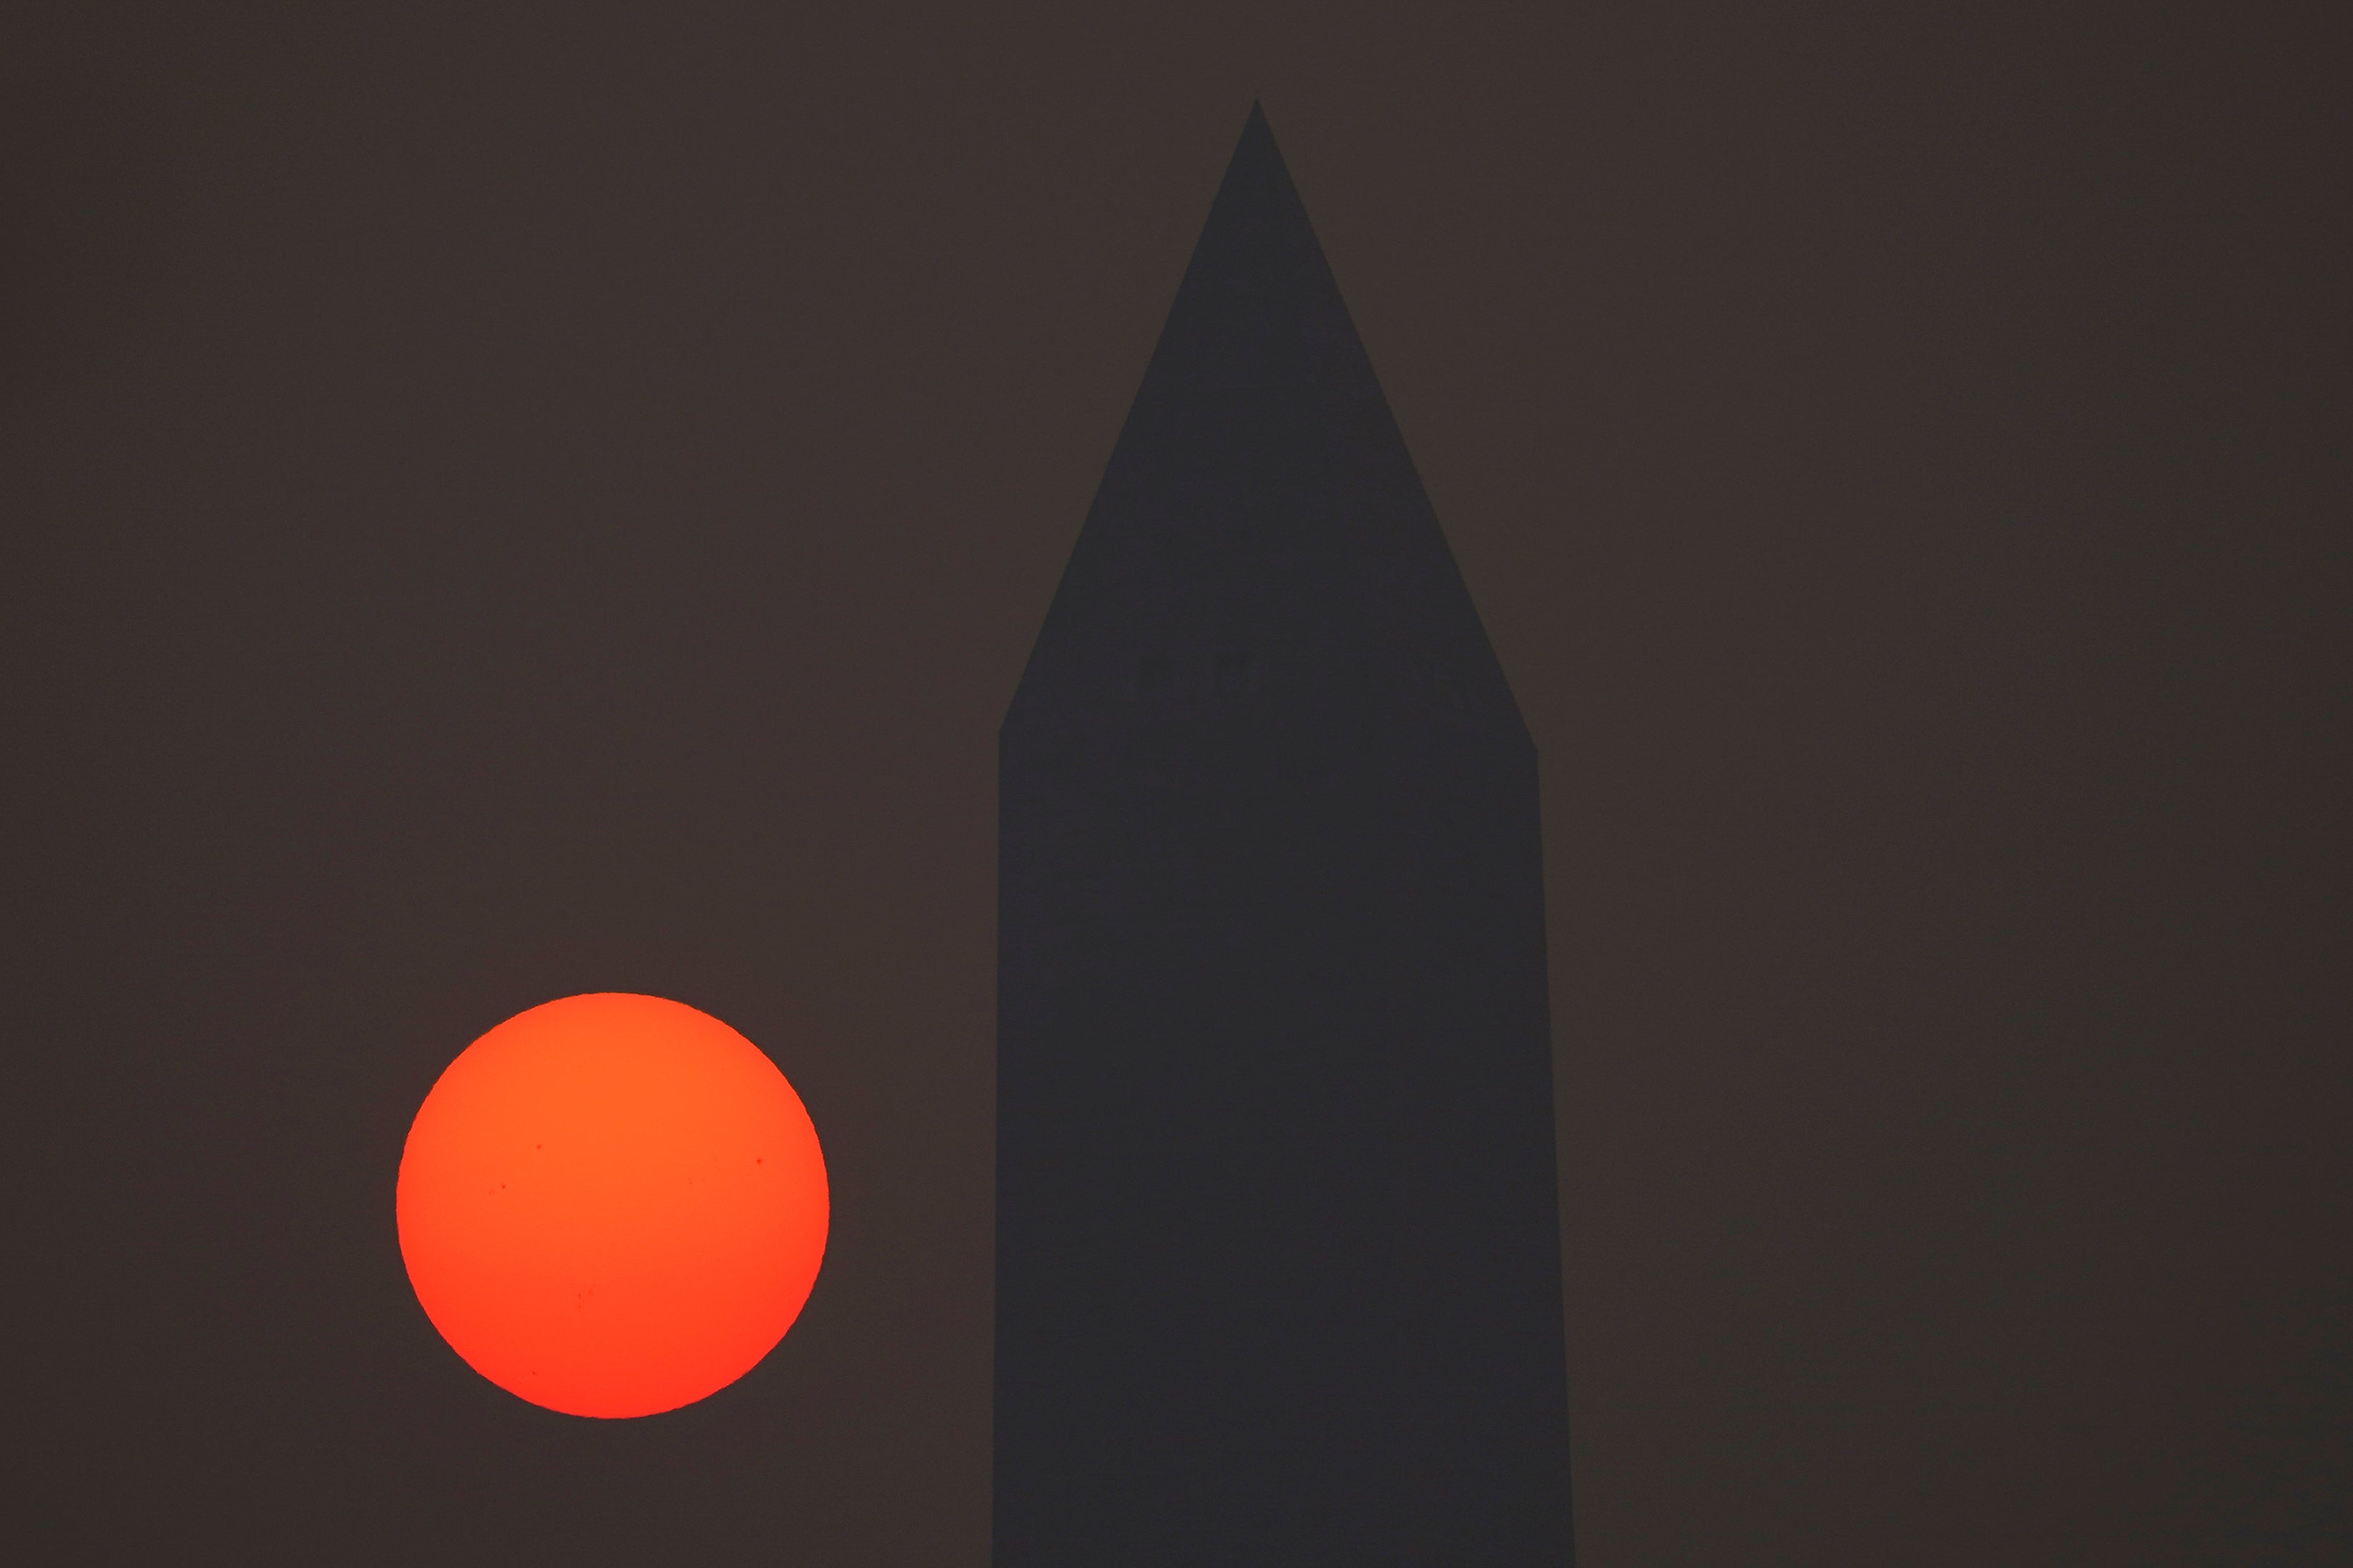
(1277,1250)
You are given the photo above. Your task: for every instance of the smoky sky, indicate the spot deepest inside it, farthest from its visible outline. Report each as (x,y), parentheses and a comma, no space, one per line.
(502,502)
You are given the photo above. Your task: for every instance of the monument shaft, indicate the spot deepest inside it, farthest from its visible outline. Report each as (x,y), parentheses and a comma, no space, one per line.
(1278,1261)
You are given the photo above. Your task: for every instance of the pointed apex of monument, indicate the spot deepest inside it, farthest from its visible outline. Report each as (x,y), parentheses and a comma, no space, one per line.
(1257,234)
(1259,514)
(1257,185)
(1257,141)
(1256,167)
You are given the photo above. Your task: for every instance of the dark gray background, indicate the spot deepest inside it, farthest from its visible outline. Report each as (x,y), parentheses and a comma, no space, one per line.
(504,502)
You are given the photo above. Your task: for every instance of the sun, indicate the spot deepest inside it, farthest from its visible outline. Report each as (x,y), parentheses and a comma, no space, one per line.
(612,1205)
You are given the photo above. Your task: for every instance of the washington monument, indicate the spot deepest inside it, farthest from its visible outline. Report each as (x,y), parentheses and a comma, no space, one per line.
(1277,1267)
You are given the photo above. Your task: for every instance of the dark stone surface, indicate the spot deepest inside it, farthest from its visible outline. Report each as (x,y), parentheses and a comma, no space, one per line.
(1278,1260)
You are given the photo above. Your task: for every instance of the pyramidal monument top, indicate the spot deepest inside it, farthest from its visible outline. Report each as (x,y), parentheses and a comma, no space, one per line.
(1261,540)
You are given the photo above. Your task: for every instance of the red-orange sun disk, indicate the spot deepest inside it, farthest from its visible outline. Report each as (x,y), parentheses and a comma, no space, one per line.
(612,1205)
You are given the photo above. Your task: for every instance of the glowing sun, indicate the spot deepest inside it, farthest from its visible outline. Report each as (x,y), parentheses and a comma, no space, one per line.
(612,1205)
